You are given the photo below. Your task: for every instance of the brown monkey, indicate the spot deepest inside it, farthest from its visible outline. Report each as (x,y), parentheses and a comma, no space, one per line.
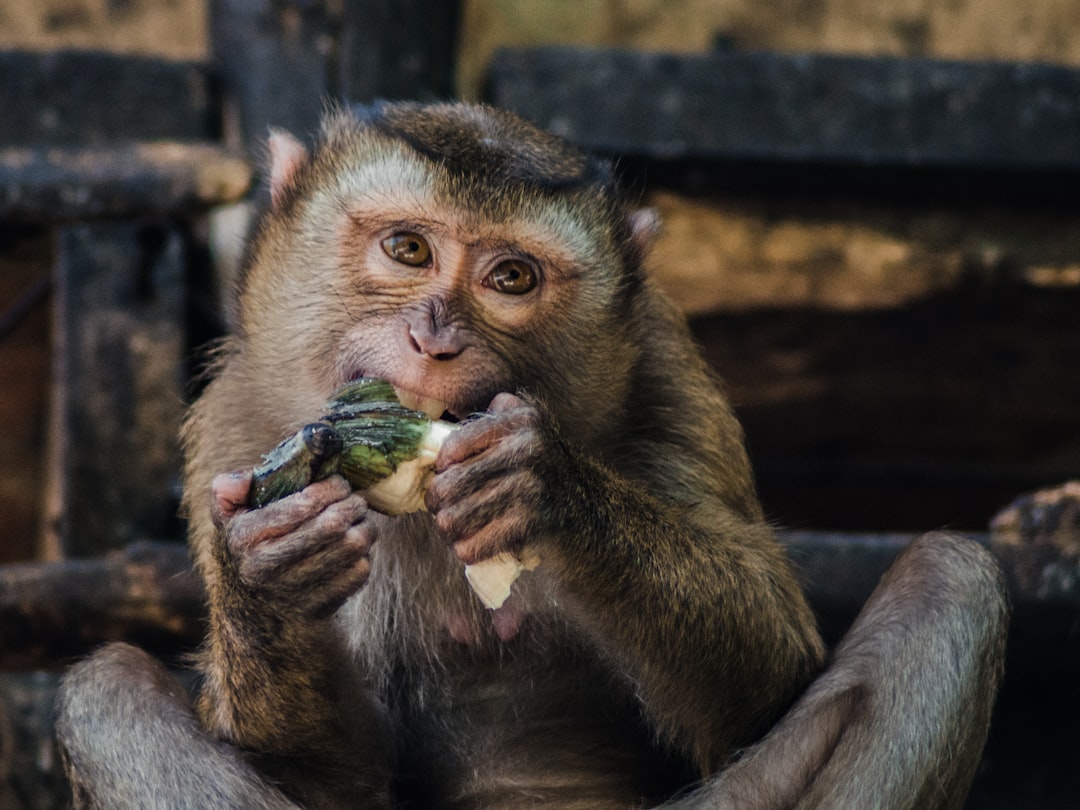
(486,267)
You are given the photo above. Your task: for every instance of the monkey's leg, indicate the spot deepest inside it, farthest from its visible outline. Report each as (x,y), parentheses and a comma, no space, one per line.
(130,739)
(900,716)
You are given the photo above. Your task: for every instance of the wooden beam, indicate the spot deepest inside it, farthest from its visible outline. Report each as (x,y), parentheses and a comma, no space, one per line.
(118,383)
(274,61)
(93,97)
(146,593)
(398,49)
(814,108)
(134,179)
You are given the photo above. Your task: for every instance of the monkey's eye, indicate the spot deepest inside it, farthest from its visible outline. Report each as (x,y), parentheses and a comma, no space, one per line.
(407,247)
(513,277)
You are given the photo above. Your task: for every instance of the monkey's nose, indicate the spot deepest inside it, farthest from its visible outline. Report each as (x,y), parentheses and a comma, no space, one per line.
(444,343)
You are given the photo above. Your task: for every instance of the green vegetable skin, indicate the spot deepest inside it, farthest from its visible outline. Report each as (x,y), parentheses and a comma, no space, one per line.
(385,450)
(309,455)
(377,444)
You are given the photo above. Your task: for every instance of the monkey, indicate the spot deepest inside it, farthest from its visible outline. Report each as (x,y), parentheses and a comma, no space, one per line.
(662,652)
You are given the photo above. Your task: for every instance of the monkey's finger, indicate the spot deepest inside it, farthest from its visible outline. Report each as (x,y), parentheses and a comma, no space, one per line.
(513,455)
(504,533)
(312,554)
(506,402)
(316,592)
(307,536)
(472,438)
(506,414)
(339,566)
(289,514)
(464,517)
(481,489)
(229,494)
(321,584)
(477,436)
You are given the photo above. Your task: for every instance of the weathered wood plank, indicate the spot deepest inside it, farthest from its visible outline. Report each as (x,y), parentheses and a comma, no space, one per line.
(309,53)
(118,385)
(25,286)
(275,64)
(778,251)
(1037,537)
(146,593)
(92,97)
(31,770)
(934,414)
(135,179)
(842,568)
(799,108)
(398,49)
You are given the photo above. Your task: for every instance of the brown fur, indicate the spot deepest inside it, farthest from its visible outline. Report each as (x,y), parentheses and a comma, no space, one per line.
(663,631)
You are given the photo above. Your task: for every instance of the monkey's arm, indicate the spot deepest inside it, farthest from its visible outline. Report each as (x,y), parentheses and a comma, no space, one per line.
(694,601)
(709,622)
(276,682)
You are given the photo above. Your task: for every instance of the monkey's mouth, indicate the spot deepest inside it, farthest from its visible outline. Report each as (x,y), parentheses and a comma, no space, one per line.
(431,407)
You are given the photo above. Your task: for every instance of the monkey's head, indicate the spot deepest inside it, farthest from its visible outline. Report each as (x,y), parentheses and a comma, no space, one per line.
(454,250)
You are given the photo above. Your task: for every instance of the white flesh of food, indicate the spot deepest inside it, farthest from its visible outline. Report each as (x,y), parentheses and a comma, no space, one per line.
(402,492)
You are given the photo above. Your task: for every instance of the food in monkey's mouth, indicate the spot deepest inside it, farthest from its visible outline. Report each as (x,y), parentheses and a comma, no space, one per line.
(432,408)
(383,448)
(383,441)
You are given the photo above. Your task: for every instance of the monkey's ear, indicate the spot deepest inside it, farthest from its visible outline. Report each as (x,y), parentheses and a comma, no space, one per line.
(287,155)
(645,226)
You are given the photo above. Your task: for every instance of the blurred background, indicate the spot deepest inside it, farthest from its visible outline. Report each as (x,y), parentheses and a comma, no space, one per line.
(871,220)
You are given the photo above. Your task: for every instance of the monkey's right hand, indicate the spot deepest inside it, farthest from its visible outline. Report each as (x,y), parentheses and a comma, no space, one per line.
(300,557)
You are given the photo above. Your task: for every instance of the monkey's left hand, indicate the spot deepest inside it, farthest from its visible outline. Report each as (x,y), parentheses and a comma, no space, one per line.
(500,479)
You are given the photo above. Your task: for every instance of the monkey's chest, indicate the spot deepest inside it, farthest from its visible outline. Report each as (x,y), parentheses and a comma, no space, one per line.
(530,730)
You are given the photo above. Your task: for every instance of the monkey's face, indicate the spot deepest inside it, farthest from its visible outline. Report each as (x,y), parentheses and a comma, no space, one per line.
(453,285)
